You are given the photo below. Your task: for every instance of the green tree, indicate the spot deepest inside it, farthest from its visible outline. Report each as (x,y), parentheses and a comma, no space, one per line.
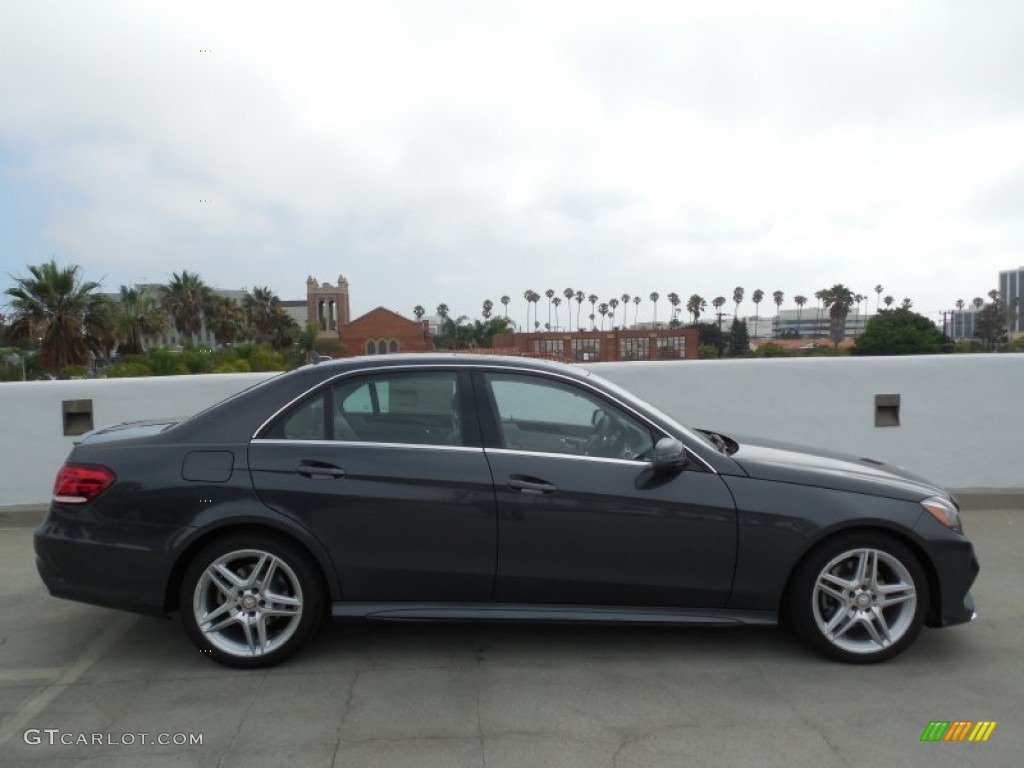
(226,320)
(718,302)
(739,339)
(262,308)
(695,306)
(137,315)
(990,326)
(186,297)
(709,334)
(60,312)
(799,301)
(757,298)
(838,300)
(900,331)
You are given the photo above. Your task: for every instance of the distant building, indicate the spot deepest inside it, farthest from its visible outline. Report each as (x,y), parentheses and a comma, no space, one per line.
(812,322)
(1011,288)
(605,346)
(962,323)
(381,331)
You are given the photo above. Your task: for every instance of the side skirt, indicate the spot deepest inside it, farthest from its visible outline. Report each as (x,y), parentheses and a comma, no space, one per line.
(586,614)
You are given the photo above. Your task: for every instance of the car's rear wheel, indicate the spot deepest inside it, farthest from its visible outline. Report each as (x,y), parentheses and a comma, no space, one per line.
(859,598)
(250,600)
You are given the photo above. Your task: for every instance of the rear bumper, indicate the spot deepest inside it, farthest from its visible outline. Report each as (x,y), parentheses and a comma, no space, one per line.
(92,568)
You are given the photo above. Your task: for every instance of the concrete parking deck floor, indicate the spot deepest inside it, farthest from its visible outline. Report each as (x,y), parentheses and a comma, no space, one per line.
(471,695)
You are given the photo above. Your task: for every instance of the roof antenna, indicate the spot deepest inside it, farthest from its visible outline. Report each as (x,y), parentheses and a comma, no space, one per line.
(317,357)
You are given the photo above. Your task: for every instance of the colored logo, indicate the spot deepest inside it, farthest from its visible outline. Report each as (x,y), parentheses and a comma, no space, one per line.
(958,730)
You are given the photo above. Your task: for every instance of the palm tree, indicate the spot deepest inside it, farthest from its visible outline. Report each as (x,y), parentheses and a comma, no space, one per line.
(757,298)
(718,302)
(888,300)
(906,303)
(225,319)
(695,306)
(636,314)
(57,308)
(859,298)
(550,293)
(419,311)
(838,300)
(978,302)
(592,298)
(487,308)
(960,304)
(531,297)
(557,302)
(674,301)
(819,295)
(613,303)
(579,305)
(878,290)
(442,311)
(603,309)
(261,307)
(737,298)
(625,309)
(505,301)
(569,294)
(137,316)
(654,300)
(799,301)
(185,298)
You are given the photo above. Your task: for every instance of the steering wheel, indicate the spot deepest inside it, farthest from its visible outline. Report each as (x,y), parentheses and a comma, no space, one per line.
(609,437)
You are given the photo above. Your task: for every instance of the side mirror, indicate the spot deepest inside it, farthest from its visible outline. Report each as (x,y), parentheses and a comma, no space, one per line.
(669,455)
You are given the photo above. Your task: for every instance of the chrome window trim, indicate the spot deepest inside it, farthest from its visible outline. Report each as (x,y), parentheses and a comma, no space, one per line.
(366,444)
(455,367)
(575,456)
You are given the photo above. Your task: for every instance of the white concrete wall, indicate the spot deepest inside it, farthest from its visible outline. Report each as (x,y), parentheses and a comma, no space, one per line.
(962,418)
(32,441)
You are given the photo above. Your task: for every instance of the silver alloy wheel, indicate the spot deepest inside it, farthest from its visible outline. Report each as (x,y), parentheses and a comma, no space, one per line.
(864,600)
(247,603)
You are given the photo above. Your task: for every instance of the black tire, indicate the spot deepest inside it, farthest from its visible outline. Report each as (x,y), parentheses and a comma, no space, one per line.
(836,607)
(250,599)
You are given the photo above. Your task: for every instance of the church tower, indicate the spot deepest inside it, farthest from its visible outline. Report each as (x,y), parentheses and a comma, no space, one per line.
(327,306)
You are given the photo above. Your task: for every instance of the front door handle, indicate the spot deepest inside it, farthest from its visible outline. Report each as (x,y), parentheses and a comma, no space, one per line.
(530,485)
(319,470)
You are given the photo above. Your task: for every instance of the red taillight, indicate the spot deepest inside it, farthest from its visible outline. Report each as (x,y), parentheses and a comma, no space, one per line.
(79,483)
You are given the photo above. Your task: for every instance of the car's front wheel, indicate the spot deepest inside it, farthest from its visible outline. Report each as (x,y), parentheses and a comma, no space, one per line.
(859,598)
(250,600)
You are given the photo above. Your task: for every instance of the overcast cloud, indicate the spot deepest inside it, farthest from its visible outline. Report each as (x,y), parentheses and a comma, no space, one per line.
(457,151)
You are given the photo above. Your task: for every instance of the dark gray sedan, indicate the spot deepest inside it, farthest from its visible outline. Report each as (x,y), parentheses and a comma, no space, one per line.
(459,487)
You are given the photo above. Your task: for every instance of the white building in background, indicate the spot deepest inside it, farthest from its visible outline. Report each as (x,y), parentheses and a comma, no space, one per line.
(814,322)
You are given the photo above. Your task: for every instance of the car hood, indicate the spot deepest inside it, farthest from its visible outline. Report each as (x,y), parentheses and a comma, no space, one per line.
(126,431)
(788,463)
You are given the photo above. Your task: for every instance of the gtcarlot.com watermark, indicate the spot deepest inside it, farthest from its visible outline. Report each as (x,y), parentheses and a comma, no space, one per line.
(57,737)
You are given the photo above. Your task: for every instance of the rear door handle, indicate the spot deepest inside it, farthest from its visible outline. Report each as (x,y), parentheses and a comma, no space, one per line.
(319,470)
(531,485)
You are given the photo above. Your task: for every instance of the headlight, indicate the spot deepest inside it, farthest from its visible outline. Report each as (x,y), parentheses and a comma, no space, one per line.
(945,511)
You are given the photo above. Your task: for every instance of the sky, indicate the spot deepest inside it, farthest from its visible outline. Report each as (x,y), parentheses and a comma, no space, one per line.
(453,152)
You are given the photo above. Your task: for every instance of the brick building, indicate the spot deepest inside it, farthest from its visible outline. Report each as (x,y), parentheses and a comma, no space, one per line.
(380,331)
(606,346)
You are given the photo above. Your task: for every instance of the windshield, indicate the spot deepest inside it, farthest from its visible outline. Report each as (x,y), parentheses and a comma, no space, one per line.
(626,396)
